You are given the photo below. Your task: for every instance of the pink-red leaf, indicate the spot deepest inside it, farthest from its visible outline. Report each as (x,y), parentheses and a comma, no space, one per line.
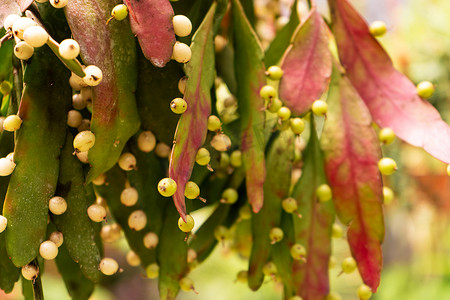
(192,126)
(352,151)
(306,64)
(313,230)
(151,22)
(390,96)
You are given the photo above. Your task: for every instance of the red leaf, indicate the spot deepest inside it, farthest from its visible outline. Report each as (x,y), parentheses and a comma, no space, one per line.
(193,125)
(390,96)
(352,151)
(151,22)
(306,65)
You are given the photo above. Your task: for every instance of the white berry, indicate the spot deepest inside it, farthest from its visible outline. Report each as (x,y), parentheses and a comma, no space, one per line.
(108,266)
(7,166)
(9,21)
(137,220)
(84,141)
(181,52)
(127,161)
(69,49)
(3,223)
(30,272)
(93,75)
(57,238)
(35,36)
(182,25)
(20,25)
(48,250)
(23,50)
(146,141)
(129,196)
(57,205)
(59,3)
(74,118)
(151,240)
(96,212)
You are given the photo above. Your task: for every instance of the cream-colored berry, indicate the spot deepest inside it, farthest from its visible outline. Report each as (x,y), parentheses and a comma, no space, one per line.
(85,125)
(146,141)
(182,84)
(7,166)
(83,157)
(59,3)
(20,25)
(57,205)
(12,123)
(129,196)
(137,220)
(182,25)
(9,21)
(100,179)
(86,93)
(69,49)
(74,118)
(191,255)
(23,50)
(111,233)
(151,240)
(96,213)
(93,75)
(48,250)
(57,238)
(127,161)
(221,142)
(108,266)
(35,36)
(77,83)
(78,102)
(133,259)
(162,150)
(181,52)
(3,223)
(30,272)
(84,141)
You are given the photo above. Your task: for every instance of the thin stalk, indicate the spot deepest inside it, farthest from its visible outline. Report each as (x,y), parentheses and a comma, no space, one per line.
(37,289)
(72,64)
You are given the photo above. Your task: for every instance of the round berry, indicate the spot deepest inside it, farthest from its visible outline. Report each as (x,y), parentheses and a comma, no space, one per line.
(133,259)
(151,240)
(245,212)
(9,21)
(57,205)
(364,292)
(20,25)
(93,75)
(77,83)
(178,105)
(48,250)
(129,196)
(267,92)
(182,84)
(336,231)
(387,166)
(96,213)
(181,52)
(203,157)
(59,3)
(242,276)
(86,93)
(23,50)
(74,118)
(100,180)
(84,141)
(187,284)
(274,72)
(377,28)
(5,87)
(229,196)
(137,220)
(221,142)
(7,166)
(333,296)
(30,272)
(276,234)
(119,12)
(152,271)
(12,123)
(35,36)
(270,269)
(221,233)
(3,223)
(127,161)
(319,108)
(289,205)
(108,266)
(188,225)
(146,141)
(182,25)
(224,160)
(162,150)
(167,187)
(57,238)
(298,252)
(425,89)
(83,157)
(388,195)
(236,158)
(386,136)
(214,123)
(191,191)
(69,49)
(348,265)
(274,105)
(85,125)
(110,233)
(324,193)
(284,113)
(297,125)
(191,255)
(220,42)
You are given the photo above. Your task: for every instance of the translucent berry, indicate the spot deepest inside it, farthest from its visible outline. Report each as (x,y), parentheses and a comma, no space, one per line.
(59,3)
(182,84)
(127,161)
(3,223)
(162,150)
(9,21)
(129,196)
(77,83)
(214,123)
(35,36)
(48,250)
(74,118)
(220,42)
(137,220)
(274,72)
(386,136)
(133,259)
(276,234)
(448,170)
(83,157)
(151,240)
(5,87)
(333,296)
(274,105)
(191,255)
(377,28)
(221,233)
(20,25)
(7,166)
(57,238)
(12,123)
(242,276)
(69,49)
(23,50)
(203,157)
(96,213)
(324,193)
(93,75)
(181,52)
(57,205)
(182,25)
(146,141)
(178,105)
(364,292)
(284,113)
(30,272)
(229,196)
(270,269)
(108,266)
(188,225)
(100,179)
(152,271)
(84,141)
(336,231)
(119,12)
(191,191)
(387,166)
(221,142)
(298,252)
(245,212)
(267,92)
(388,195)
(348,265)
(187,284)
(295,298)
(236,158)
(167,187)
(297,125)
(289,205)
(111,233)
(224,160)
(319,108)
(425,89)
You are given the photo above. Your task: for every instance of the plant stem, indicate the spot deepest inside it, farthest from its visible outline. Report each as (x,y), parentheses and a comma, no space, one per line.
(37,289)
(72,64)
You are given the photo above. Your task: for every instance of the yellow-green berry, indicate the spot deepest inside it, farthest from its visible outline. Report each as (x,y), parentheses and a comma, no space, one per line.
(214,123)
(319,108)
(188,225)
(388,195)
(387,166)
(274,72)
(386,136)
(178,105)
(119,12)
(191,191)
(268,92)
(276,234)
(152,271)
(167,187)
(298,252)
(236,158)
(425,89)
(364,292)
(229,196)
(348,265)
(284,113)
(324,193)
(297,125)
(377,28)
(203,157)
